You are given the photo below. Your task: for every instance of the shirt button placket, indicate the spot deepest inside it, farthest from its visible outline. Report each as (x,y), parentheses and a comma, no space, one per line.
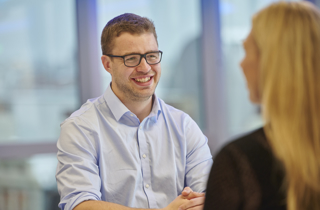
(145,164)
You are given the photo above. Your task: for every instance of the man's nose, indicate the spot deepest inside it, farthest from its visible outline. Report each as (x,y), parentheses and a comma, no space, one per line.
(143,66)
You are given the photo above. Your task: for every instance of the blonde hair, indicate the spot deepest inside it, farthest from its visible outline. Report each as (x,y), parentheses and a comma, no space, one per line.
(288,38)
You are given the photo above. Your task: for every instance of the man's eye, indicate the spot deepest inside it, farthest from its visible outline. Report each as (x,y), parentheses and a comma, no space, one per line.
(152,56)
(131,58)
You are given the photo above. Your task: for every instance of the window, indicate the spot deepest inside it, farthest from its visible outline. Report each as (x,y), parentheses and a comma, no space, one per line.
(235,26)
(38,88)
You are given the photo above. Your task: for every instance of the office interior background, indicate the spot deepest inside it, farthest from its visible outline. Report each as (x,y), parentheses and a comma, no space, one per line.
(50,65)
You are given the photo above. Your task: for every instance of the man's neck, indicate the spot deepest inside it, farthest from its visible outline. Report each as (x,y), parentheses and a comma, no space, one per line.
(140,108)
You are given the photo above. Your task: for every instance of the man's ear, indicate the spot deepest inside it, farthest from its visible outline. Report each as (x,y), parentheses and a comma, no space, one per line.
(107,64)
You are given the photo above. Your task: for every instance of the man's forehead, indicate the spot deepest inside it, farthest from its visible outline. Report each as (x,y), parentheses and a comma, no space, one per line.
(129,36)
(135,43)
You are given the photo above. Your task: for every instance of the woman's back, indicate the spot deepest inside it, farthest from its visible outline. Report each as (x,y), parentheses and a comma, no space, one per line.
(246,176)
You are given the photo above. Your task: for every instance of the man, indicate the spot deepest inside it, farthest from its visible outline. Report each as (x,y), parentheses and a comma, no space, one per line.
(127,148)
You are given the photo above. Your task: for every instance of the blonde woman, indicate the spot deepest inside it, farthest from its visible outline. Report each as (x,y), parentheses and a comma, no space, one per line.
(277,166)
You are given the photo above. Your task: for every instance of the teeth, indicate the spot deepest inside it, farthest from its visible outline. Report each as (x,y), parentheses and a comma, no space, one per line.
(146,79)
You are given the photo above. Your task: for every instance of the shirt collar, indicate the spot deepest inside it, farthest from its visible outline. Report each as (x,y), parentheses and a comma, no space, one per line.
(118,109)
(156,109)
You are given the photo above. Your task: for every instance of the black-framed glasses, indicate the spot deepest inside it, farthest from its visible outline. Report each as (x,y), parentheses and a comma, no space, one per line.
(133,60)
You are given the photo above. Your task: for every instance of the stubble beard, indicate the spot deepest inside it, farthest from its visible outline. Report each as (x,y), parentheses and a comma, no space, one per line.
(131,94)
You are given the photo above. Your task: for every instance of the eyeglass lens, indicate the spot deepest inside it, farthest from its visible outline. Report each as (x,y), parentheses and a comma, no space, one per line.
(133,60)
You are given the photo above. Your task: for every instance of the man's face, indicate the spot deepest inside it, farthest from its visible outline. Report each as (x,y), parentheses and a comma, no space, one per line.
(133,83)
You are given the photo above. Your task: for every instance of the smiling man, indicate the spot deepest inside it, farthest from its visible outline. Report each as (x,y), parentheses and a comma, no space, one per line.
(127,148)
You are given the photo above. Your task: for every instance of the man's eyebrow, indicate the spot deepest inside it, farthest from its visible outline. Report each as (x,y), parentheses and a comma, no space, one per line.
(130,53)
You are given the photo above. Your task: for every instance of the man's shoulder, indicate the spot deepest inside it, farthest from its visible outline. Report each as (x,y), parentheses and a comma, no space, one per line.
(87,112)
(179,117)
(168,108)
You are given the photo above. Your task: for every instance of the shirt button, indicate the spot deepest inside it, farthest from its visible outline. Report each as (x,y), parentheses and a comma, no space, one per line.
(147,186)
(131,115)
(140,127)
(144,156)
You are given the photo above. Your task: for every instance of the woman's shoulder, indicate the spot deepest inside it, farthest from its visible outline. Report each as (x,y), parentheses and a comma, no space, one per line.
(252,142)
(250,151)
(255,135)
(245,173)
(246,154)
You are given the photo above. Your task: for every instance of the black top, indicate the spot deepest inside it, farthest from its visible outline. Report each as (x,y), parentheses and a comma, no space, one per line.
(246,175)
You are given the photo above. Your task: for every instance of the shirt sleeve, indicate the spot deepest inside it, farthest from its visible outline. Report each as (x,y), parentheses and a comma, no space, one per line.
(77,171)
(199,159)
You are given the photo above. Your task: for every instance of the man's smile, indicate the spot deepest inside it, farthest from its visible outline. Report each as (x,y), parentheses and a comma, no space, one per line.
(145,79)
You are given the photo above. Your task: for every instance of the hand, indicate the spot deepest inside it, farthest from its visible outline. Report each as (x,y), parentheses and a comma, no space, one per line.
(196,200)
(193,204)
(189,194)
(187,200)
(176,203)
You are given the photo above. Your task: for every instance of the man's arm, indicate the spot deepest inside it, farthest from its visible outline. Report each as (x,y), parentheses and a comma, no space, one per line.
(100,205)
(199,159)
(187,200)
(77,170)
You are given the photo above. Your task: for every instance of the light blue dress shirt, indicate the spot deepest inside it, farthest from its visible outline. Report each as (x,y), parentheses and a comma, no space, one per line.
(105,153)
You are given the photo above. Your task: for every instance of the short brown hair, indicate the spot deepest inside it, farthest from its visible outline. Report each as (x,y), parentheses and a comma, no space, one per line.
(128,22)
